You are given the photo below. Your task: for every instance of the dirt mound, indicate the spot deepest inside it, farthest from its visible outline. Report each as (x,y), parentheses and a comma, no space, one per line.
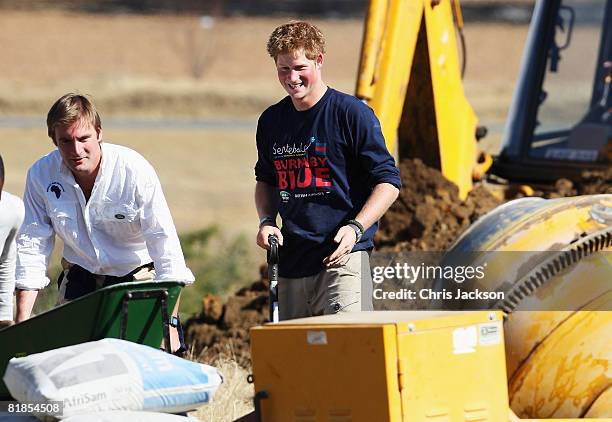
(428,216)
(223,328)
(591,183)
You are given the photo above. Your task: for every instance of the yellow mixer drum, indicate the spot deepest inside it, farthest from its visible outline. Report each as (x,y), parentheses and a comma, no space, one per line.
(553,261)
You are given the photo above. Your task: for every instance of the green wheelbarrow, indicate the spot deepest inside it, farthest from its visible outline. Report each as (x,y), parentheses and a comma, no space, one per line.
(134,311)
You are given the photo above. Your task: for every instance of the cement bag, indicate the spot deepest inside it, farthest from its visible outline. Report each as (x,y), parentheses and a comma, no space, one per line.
(111,374)
(128,416)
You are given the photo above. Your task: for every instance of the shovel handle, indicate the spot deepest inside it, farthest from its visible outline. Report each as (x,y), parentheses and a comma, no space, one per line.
(273,252)
(273,276)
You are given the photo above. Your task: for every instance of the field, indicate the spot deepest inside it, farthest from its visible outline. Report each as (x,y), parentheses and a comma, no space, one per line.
(145,70)
(186,94)
(143,67)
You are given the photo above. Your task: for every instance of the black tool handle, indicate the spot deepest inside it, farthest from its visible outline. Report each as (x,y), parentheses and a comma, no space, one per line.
(273,276)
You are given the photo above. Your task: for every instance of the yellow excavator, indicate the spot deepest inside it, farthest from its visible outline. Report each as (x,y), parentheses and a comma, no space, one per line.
(410,74)
(540,348)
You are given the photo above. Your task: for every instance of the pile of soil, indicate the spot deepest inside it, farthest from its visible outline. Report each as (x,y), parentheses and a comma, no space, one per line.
(591,183)
(222,329)
(428,216)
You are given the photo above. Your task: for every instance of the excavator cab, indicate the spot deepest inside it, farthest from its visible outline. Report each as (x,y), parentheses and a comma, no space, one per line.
(560,120)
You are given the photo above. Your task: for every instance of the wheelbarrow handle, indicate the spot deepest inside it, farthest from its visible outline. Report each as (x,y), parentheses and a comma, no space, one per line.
(273,276)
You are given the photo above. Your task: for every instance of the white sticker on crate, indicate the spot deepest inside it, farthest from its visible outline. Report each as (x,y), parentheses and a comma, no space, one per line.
(465,340)
(316,337)
(489,333)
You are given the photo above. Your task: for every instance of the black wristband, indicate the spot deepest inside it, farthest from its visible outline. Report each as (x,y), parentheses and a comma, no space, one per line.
(267,221)
(358,224)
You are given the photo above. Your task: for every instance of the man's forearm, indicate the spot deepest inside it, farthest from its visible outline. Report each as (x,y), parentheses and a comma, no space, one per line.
(25,303)
(266,200)
(379,201)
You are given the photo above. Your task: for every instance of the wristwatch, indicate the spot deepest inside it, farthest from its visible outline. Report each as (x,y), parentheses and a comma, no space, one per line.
(356,225)
(174,321)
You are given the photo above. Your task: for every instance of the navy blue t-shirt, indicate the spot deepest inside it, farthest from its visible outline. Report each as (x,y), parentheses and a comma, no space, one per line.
(325,161)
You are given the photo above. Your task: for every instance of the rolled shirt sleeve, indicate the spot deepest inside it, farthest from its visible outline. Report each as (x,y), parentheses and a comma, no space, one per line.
(160,233)
(35,241)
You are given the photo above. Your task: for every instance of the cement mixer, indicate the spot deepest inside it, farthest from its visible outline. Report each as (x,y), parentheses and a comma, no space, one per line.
(553,261)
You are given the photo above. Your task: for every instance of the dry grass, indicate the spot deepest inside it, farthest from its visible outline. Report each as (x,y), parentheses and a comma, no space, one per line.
(144,64)
(130,56)
(234,398)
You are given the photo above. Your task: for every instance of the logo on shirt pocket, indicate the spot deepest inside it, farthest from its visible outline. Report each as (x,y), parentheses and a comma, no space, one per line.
(119,220)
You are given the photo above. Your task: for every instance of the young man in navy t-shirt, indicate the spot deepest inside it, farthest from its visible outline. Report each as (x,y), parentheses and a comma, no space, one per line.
(324,167)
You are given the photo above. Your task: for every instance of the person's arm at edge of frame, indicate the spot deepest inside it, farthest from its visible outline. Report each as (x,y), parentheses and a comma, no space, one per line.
(266,202)
(381,198)
(25,300)
(34,245)
(7,266)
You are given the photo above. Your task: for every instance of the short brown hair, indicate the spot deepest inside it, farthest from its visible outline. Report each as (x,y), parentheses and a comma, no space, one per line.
(295,36)
(69,109)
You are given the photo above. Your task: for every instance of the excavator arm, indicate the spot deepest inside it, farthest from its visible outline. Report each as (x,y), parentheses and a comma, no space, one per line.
(411,77)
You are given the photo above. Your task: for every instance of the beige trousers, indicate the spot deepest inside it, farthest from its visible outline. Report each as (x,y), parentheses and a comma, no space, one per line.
(346,288)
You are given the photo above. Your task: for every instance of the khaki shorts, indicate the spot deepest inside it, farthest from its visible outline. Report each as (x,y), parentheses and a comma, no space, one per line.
(346,288)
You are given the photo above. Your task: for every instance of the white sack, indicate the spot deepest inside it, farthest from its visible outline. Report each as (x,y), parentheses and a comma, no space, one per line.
(128,416)
(111,374)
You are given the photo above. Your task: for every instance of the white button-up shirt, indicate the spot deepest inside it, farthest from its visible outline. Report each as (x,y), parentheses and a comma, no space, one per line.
(125,223)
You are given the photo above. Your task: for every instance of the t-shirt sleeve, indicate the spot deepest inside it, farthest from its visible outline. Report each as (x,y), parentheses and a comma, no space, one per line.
(371,150)
(264,168)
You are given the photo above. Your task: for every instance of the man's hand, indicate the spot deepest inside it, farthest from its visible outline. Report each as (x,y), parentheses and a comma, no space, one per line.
(346,239)
(265,231)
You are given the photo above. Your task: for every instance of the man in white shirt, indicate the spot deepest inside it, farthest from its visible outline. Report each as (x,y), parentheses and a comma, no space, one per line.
(11,216)
(104,201)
